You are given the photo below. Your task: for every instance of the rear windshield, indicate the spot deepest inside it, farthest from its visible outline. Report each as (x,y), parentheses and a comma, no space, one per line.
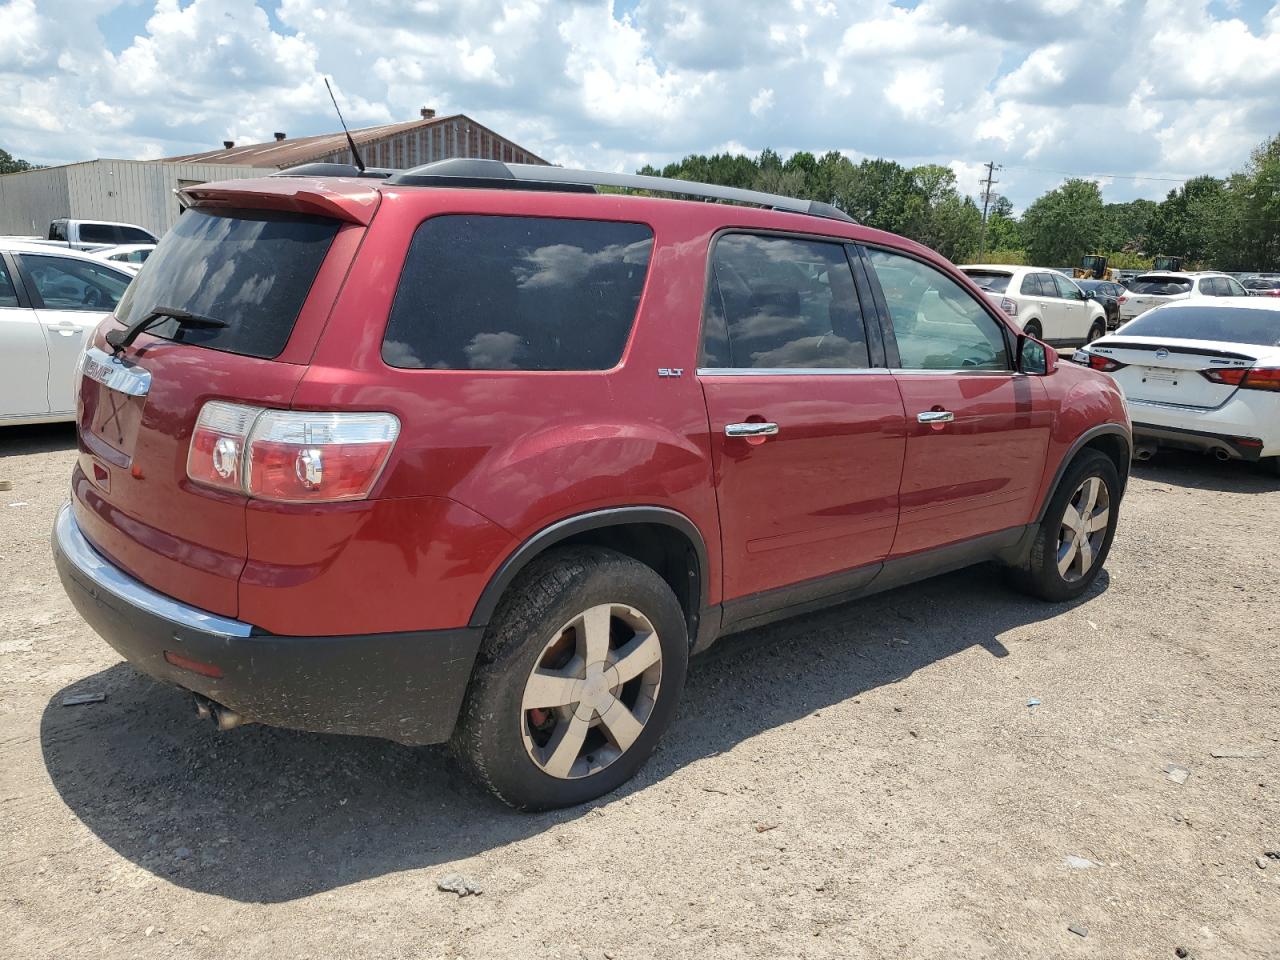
(251,268)
(989,281)
(517,293)
(1259,284)
(1254,325)
(1163,286)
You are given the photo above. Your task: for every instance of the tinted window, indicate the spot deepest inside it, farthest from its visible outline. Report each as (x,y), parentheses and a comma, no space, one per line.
(134,235)
(1031,285)
(938,325)
(775,302)
(1161,286)
(58,230)
(990,281)
(517,293)
(65,284)
(252,269)
(8,295)
(100,233)
(1258,326)
(1261,284)
(1234,288)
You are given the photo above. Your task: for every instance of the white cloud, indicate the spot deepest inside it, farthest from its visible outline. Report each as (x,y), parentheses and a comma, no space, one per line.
(1162,87)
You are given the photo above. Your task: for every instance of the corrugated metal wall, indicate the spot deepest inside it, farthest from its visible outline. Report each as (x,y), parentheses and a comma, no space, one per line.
(129,191)
(439,141)
(28,201)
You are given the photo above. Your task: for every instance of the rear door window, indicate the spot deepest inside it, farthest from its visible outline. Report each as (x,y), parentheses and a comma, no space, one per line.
(251,268)
(8,295)
(134,235)
(517,293)
(99,233)
(779,303)
(1047,289)
(62,283)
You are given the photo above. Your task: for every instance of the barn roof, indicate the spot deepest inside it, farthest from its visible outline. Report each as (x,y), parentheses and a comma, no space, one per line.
(295,150)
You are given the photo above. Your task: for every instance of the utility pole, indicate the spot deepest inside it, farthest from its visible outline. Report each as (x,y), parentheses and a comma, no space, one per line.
(987,183)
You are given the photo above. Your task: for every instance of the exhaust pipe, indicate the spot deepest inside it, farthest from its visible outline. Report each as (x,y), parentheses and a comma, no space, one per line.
(1222,453)
(1144,452)
(223,718)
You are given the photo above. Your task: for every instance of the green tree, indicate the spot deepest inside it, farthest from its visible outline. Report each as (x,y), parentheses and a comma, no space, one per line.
(1188,223)
(1248,237)
(1064,224)
(11,164)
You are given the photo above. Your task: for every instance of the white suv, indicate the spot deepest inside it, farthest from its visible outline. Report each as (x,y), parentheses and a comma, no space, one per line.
(1046,304)
(1156,289)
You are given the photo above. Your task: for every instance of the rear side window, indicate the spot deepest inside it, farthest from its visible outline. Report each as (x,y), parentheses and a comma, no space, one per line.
(134,235)
(517,293)
(8,295)
(251,268)
(776,302)
(99,233)
(1161,286)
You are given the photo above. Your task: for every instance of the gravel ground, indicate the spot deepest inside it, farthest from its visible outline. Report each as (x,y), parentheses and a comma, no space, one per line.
(866,782)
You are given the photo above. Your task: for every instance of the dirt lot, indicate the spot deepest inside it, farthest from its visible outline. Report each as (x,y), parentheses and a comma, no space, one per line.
(867,782)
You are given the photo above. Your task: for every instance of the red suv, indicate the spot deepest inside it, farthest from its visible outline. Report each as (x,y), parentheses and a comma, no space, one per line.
(477,453)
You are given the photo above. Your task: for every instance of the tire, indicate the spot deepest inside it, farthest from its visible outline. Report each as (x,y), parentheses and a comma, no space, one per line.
(1039,573)
(508,737)
(1099,329)
(1032,329)
(1273,463)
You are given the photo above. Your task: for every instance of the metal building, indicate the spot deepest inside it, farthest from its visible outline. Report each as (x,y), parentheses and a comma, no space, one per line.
(142,191)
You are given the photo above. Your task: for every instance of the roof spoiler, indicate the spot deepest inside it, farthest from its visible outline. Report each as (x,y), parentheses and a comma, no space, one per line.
(491,174)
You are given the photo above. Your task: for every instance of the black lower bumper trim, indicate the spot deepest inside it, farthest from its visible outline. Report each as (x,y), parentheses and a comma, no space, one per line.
(1199,440)
(406,687)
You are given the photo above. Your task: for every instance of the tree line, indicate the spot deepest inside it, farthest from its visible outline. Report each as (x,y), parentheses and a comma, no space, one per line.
(1230,223)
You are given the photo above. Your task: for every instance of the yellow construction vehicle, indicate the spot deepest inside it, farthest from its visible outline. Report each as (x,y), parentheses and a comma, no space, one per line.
(1094,267)
(1170,264)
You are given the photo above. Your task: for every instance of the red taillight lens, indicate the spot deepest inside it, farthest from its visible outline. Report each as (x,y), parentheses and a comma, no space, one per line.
(1122,299)
(1009,306)
(290,456)
(216,457)
(1258,378)
(1105,364)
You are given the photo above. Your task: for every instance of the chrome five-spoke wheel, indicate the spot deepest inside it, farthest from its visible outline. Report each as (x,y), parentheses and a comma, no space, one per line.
(592,690)
(1084,527)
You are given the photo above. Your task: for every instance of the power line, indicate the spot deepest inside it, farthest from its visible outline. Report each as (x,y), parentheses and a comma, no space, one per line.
(1110,176)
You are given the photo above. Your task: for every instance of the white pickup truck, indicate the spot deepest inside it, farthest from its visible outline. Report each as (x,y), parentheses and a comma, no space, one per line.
(93,234)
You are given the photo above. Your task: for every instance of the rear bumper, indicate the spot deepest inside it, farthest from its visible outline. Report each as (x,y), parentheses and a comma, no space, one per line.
(406,687)
(1240,448)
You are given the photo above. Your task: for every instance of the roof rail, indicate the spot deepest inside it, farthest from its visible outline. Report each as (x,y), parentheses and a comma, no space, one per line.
(323,169)
(490,174)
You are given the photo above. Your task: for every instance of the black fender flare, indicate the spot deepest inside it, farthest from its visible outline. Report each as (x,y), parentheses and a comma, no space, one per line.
(1103,429)
(561,530)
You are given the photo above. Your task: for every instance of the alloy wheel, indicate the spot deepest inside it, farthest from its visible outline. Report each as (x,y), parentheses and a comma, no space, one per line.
(591,691)
(1084,527)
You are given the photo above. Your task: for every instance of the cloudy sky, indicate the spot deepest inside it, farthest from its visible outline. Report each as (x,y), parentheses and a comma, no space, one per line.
(1145,93)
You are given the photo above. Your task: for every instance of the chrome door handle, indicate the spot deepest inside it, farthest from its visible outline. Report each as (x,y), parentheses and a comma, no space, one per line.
(935,416)
(750,429)
(66,329)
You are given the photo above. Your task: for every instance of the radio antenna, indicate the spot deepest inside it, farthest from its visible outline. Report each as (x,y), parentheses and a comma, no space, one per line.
(351,143)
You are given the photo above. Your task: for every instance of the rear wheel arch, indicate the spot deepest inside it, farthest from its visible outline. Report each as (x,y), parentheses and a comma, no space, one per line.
(665,540)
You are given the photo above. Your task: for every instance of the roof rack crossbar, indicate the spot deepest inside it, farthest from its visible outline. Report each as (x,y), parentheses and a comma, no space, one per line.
(461,172)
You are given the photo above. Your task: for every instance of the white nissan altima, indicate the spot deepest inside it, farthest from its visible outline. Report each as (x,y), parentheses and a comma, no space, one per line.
(50,300)
(1200,375)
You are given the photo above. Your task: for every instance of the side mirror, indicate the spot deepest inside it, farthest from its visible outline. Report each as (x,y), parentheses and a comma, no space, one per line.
(1035,358)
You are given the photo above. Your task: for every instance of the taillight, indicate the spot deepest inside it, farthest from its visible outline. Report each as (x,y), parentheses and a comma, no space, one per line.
(1105,364)
(1009,306)
(293,456)
(1257,378)
(1122,299)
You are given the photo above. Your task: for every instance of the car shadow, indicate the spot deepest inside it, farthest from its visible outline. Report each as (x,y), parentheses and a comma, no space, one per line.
(1185,468)
(266,815)
(38,438)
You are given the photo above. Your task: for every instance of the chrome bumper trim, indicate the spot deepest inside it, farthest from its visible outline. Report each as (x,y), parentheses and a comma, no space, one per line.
(109,578)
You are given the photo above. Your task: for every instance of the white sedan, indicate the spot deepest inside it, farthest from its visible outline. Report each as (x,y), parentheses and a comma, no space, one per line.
(50,300)
(131,256)
(1200,375)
